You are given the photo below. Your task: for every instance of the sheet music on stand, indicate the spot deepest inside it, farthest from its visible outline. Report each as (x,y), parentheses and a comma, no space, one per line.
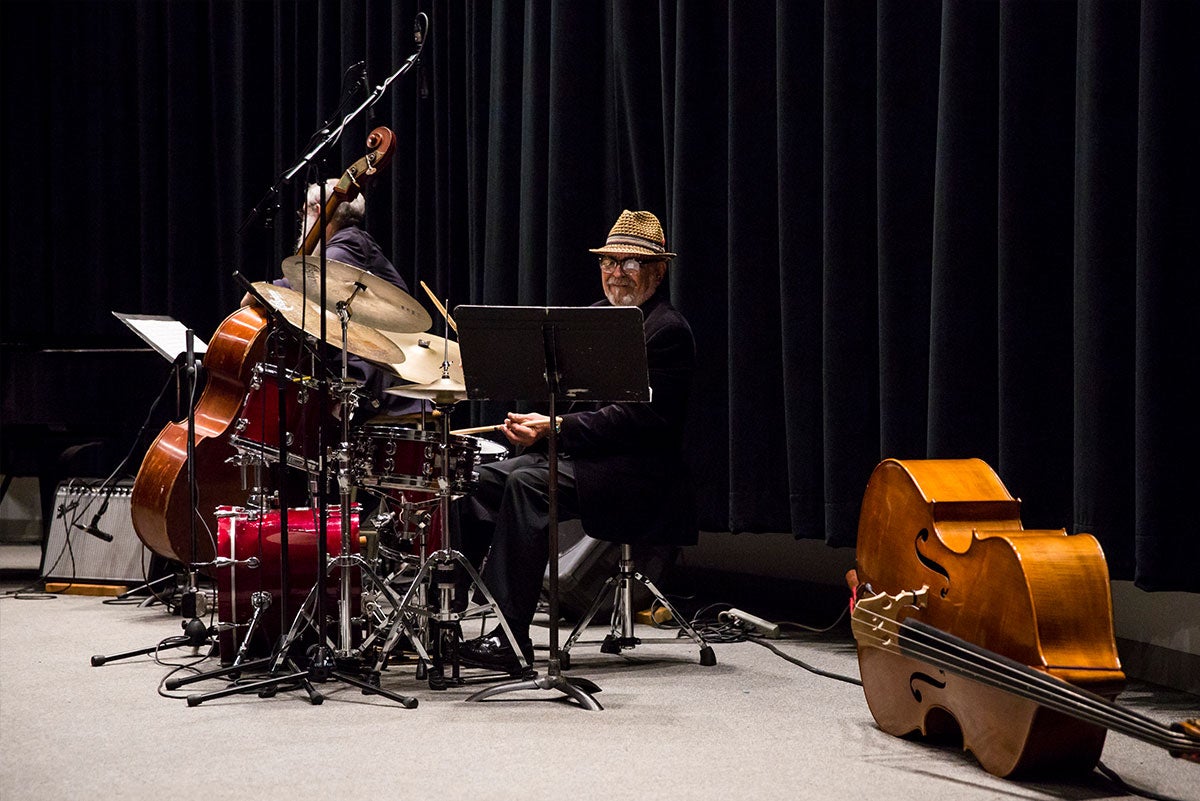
(165,334)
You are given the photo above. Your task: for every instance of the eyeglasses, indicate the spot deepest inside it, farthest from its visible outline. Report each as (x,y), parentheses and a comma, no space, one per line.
(610,265)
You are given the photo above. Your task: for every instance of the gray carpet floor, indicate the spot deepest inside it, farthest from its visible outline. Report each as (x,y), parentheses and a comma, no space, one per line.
(754,725)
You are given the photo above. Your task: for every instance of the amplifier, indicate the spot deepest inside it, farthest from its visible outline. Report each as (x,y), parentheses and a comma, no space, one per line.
(75,550)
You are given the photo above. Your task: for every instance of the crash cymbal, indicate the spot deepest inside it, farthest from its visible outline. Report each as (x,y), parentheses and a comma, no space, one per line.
(361,340)
(379,303)
(423,356)
(443,391)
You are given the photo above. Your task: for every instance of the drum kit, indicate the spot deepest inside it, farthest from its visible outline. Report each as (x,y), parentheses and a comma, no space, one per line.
(407,584)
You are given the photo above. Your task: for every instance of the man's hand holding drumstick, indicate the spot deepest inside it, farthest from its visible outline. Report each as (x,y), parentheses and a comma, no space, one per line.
(519,429)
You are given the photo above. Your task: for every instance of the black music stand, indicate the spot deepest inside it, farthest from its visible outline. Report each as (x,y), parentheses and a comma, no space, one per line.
(524,353)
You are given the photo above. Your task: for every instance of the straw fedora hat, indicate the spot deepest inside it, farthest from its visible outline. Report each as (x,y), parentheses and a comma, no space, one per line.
(636,233)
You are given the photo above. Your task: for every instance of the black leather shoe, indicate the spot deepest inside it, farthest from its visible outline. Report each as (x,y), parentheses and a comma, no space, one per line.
(494,653)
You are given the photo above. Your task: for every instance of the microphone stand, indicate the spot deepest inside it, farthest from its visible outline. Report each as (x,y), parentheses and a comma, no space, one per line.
(321,665)
(194,629)
(195,632)
(328,135)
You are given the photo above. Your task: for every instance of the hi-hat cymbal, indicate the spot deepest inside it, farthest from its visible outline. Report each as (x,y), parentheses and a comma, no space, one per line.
(423,357)
(379,303)
(361,340)
(443,391)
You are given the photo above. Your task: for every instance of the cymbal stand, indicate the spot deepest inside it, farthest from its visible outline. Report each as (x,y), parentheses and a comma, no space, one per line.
(259,500)
(322,666)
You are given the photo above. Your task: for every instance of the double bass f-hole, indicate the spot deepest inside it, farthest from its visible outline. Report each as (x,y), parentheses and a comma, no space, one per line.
(923,539)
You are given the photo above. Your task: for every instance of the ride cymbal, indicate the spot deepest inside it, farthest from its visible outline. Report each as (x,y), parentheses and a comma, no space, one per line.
(361,340)
(378,303)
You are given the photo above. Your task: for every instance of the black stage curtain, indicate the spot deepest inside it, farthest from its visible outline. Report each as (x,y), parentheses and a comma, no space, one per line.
(906,229)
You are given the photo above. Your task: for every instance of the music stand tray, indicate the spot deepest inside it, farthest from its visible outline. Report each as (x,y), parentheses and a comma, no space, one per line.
(555,353)
(165,334)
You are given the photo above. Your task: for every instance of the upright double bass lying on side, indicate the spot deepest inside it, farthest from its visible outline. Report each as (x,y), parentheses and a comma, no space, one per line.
(965,620)
(160,502)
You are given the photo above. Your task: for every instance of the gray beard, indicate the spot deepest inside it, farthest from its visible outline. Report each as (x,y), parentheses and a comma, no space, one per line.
(621,296)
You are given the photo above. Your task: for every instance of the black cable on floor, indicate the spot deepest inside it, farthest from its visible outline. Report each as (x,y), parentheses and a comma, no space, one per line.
(1115,778)
(803,664)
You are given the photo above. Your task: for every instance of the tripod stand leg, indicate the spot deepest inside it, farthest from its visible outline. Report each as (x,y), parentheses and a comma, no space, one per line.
(268,686)
(196,700)
(261,601)
(367,688)
(707,657)
(148,585)
(576,688)
(231,670)
(585,621)
(476,581)
(170,642)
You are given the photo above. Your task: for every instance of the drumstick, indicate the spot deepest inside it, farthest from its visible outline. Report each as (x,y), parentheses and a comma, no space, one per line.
(478,430)
(500,426)
(440,308)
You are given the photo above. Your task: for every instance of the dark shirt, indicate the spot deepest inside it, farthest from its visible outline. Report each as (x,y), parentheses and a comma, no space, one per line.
(633,483)
(354,246)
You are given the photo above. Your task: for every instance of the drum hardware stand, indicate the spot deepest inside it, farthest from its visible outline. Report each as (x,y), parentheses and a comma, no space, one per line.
(440,568)
(195,633)
(323,666)
(321,141)
(260,601)
(277,329)
(442,628)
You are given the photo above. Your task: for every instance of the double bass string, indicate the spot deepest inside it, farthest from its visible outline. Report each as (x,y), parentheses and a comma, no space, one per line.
(938,648)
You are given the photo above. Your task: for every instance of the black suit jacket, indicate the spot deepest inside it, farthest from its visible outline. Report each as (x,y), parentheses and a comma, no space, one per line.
(630,473)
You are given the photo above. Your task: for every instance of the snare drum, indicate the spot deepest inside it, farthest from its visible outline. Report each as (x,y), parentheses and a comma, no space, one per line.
(393,457)
(242,534)
(256,429)
(489,450)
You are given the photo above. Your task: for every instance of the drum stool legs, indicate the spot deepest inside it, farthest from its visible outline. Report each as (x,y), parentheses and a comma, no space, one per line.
(621,634)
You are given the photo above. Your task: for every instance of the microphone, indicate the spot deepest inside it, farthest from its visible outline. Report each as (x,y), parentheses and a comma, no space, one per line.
(90,528)
(93,527)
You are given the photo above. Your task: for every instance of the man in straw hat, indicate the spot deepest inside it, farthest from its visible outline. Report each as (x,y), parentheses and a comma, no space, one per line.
(621,469)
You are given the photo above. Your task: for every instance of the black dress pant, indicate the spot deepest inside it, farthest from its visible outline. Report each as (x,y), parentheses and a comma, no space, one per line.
(505,525)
